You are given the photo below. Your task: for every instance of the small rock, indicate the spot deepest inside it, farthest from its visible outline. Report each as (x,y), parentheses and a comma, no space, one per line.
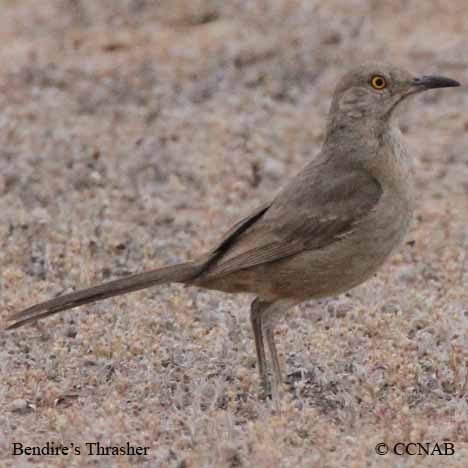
(71,332)
(342,309)
(430,273)
(19,405)
(230,455)
(95,177)
(390,308)
(52,374)
(273,168)
(40,215)
(408,274)
(339,310)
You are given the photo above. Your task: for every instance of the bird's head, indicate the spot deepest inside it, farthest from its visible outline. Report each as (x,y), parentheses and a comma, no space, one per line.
(370,93)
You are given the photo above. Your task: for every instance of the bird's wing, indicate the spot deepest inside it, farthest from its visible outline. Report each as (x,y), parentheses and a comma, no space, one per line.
(317,208)
(239,227)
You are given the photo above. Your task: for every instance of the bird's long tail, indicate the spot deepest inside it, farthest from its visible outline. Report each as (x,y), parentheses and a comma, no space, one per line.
(181,273)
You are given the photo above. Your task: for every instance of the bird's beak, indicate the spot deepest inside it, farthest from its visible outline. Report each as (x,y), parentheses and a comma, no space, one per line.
(431,82)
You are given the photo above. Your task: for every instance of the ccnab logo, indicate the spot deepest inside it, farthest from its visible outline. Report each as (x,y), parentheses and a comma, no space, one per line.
(426,448)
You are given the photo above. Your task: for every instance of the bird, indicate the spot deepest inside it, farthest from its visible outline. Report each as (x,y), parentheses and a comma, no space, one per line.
(329,229)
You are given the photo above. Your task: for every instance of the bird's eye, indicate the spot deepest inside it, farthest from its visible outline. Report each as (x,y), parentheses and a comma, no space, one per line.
(378,82)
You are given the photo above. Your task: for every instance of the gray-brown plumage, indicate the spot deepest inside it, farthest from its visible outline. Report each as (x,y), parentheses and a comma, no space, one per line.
(328,230)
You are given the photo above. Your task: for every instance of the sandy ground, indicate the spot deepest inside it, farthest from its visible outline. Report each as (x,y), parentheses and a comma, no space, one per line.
(132,133)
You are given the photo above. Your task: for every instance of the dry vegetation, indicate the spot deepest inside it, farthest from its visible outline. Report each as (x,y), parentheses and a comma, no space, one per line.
(132,132)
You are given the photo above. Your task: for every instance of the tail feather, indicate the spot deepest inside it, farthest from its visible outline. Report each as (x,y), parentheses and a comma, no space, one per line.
(181,273)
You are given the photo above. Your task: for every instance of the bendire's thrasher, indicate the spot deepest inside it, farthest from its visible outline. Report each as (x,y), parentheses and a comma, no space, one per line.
(329,229)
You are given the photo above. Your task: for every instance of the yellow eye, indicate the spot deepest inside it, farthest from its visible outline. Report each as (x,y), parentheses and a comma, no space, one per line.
(378,82)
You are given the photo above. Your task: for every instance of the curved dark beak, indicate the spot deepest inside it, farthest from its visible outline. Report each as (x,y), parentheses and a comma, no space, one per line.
(431,82)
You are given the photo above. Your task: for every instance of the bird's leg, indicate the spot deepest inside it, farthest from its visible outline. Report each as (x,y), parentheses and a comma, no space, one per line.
(264,315)
(276,378)
(256,310)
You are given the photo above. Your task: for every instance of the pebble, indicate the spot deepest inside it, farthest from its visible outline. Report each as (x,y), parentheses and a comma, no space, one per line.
(19,405)
(273,168)
(390,308)
(340,310)
(408,274)
(71,332)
